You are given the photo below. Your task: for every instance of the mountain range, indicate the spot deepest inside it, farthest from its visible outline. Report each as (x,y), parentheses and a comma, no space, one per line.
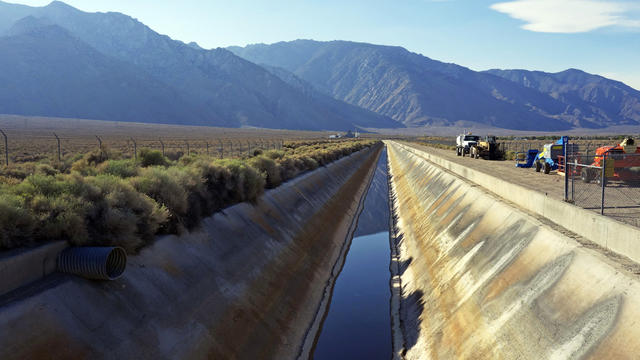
(110,66)
(60,61)
(419,91)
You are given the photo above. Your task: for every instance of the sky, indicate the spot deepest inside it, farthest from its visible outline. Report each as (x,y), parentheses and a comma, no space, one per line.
(597,36)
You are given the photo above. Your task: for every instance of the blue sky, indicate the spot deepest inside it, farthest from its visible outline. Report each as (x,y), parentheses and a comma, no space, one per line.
(598,36)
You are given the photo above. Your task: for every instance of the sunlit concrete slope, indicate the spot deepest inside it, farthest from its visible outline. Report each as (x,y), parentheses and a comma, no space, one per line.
(475,278)
(247,285)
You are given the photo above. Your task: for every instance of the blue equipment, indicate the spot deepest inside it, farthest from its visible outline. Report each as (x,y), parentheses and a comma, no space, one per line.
(548,158)
(528,161)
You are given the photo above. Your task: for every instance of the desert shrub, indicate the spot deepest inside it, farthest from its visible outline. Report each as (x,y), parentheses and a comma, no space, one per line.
(46,169)
(123,216)
(290,167)
(60,216)
(56,205)
(188,159)
(510,155)
(245,183)
(18,171)
(269,168)
(163,186)
(16,221)
(124,168)
(309,163)
(174,155)
(87,164)
(6,180)
(274,154)
(148,157)
(103,200)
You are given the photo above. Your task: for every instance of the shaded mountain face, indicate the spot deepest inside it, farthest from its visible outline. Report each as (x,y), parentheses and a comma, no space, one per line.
(357,115)
(44,70)
(419,91)
(223,89)
(589,96)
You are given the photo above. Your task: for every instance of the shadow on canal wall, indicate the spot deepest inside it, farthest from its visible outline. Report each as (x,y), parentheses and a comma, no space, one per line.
(246,284)
(477,278)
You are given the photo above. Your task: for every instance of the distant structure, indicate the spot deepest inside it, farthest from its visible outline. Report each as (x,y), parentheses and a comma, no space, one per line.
(349,135)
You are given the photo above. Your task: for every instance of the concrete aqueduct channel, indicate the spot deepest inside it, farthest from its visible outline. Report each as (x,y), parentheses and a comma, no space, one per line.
(473,275)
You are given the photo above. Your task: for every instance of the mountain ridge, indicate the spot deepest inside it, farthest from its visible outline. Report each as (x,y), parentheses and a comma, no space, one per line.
(301,84)
(228,90)
(426,92)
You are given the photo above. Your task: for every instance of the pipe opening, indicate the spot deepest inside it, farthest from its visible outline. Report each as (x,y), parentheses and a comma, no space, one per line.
(97,263)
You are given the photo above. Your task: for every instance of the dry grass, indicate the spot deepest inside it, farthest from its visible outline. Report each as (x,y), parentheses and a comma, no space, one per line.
(32,138)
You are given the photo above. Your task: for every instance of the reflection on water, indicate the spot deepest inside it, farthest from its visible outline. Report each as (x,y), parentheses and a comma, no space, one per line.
(375,215)
(358,323)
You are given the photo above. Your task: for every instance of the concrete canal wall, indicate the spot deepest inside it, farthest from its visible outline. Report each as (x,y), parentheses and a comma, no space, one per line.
(478,278)
(246,285)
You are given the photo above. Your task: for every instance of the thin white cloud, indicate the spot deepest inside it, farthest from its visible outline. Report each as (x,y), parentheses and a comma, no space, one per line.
(570,16)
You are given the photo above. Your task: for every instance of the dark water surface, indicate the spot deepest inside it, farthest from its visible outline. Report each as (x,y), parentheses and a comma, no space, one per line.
(358,324)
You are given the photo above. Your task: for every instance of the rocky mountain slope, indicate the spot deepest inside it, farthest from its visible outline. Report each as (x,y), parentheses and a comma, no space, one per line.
(419,91)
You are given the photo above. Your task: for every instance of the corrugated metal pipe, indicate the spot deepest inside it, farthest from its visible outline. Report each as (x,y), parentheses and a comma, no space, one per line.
(97,263)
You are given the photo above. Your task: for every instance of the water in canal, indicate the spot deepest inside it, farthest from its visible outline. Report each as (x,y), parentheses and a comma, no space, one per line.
(358,323)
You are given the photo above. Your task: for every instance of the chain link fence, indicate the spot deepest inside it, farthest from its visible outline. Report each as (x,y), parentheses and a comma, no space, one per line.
(607,181)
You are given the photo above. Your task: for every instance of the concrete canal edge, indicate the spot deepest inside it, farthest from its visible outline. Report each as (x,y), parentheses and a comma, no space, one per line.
(247,284)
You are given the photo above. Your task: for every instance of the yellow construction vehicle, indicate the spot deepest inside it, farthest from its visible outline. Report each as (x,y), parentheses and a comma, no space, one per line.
(487,148)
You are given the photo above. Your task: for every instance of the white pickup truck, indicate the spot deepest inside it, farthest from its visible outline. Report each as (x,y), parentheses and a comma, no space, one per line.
(464,142)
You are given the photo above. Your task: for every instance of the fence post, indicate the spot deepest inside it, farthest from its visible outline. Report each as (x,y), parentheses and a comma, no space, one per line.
(231,141)
(162,145)
(58,140)
(221,148)
(188,148)
(249,148)
(566,170)
(6,148)
(135,149)
(207,148)
(603,182)
(99,146)
(573,181)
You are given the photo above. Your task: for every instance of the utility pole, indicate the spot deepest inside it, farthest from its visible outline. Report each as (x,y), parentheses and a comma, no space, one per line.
(6,148)
(58,140)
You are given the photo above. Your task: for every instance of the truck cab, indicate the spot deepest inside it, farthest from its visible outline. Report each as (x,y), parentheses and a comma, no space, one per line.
(464,142)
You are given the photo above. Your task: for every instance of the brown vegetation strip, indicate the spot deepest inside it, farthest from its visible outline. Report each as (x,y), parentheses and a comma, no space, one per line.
(101,198)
